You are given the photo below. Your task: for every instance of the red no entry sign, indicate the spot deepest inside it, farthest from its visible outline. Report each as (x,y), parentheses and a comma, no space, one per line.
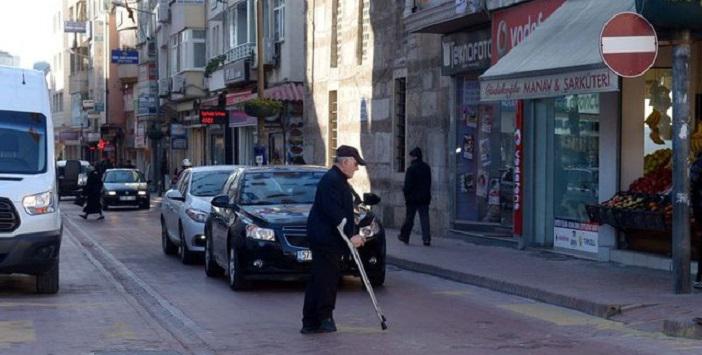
(628,44)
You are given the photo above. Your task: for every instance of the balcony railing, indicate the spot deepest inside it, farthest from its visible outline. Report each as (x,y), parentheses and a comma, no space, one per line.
(241,51)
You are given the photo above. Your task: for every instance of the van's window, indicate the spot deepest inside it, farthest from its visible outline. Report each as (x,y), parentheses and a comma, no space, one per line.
(22,142)
(123,176)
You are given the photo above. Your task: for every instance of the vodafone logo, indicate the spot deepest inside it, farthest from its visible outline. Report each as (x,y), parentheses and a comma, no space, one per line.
(510,37)
(502,39)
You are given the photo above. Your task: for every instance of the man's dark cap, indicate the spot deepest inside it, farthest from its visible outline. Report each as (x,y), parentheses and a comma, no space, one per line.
(347,151)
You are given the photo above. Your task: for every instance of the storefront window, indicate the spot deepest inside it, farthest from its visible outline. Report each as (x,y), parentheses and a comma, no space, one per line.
(576,155)
(485,158)
(658,110)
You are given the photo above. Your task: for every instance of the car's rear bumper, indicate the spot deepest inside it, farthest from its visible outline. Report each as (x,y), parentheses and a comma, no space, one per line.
(32,253)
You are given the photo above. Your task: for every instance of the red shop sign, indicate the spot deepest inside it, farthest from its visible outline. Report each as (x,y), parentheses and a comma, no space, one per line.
(208,117)
(512,25)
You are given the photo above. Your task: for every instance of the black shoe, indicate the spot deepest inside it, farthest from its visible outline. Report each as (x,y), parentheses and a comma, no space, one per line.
(427,243)
(309,330)
(404,240)
(327,326)
(101,217)
(84,216)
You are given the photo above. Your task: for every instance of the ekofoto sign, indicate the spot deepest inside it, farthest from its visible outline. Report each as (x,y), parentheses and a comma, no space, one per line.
(628,44)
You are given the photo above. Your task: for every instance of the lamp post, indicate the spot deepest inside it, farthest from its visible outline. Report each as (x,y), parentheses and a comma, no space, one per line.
(261,72)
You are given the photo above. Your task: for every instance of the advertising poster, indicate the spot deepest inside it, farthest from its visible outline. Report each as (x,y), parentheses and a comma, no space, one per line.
(486,118)
(467,182)
(485,152)
(481,187)
(575,236)
(468,146)
(494,192)
(470,117)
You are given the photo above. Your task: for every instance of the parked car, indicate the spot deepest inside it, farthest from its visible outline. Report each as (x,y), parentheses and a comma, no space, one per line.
(257,228)
(30,216)
(185,209)
(72,183)
(125,187)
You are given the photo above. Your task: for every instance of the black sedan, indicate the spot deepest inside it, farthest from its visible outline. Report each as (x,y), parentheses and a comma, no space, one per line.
(257,228)
(124,187)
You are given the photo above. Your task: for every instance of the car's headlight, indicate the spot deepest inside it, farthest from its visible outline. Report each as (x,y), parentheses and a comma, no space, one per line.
(39,204)
(142,193)
(196,215)
(111,193)
(255,232)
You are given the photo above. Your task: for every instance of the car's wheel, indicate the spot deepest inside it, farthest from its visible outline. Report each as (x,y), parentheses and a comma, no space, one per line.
(234,272)
(48,282)
(186,256)
(168,247)
(212,269)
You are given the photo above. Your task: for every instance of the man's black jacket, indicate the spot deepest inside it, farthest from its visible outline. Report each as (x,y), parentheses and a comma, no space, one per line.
(417,187)
(332,203)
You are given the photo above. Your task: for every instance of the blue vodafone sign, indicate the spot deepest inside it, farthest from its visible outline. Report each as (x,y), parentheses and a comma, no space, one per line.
(120,56)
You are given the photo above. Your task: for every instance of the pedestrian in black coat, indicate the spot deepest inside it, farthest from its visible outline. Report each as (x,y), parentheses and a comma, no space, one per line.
(696,203)
(92,192)
(417,191)
(333,202)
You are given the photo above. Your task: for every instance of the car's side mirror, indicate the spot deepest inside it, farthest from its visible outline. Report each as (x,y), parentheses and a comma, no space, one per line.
(221,201)
(175,195)
(370,199)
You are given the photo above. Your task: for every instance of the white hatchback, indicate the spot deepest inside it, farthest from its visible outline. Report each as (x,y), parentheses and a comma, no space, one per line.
(185,208)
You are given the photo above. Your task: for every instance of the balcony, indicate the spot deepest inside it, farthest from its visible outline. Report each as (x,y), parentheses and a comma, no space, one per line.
(188,85)
(242,51)
(187,15)
(78,82)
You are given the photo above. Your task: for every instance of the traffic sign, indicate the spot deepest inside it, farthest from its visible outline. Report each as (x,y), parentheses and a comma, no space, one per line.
(628,44)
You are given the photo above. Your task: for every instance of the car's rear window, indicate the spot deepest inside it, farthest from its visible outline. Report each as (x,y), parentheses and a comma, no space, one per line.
(208,183)
(274,188)
(22,142)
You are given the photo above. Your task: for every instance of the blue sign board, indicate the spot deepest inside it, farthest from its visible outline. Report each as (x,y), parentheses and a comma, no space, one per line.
(125,56)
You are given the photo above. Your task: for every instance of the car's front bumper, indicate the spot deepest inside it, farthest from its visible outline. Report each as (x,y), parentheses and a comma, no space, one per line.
(115,200)
(194,234)
(31,253)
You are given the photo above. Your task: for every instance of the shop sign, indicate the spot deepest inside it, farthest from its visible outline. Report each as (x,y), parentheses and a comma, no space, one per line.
(518,167)
(236,72)
(575,235)
(584,103)
(241,119)
(126,56)
(465,52)
(210,117)
(569,83)
(88,105)
(514,24)
(74,27)
(179,137)
(467,6)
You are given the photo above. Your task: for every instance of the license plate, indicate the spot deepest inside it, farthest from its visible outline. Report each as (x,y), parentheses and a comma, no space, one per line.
(127,198)
(304,255)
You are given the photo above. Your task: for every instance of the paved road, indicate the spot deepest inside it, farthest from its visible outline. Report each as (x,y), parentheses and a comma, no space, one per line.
(120,295)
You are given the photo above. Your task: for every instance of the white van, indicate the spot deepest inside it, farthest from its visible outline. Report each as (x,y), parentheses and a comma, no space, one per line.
(30,221)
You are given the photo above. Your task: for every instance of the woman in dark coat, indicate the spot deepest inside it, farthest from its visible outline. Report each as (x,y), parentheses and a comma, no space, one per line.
(92,192)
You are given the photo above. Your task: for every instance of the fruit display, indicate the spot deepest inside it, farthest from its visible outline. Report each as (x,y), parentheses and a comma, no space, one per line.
(658,159)
(652,121)
(696,141)
(657,181)
(628,210)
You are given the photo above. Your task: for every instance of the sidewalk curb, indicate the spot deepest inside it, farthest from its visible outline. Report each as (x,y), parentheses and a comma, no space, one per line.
(592,308)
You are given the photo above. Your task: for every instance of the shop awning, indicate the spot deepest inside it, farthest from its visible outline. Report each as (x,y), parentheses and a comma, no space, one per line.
(561,57)
(287,92)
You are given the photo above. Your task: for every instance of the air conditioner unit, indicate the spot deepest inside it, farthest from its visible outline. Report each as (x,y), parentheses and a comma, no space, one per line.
(269,54)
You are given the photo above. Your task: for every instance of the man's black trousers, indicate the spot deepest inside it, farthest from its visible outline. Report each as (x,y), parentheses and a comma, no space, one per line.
(406,229)
(320,295)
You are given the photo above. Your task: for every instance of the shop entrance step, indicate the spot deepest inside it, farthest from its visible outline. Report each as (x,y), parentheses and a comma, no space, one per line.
(484,238)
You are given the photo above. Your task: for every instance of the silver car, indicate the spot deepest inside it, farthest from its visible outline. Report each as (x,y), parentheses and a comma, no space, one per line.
(185,207)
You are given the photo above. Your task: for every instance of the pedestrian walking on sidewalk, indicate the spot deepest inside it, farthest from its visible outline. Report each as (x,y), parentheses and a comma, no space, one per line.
(417,191)
(696,200)
(332,203)
(92,192)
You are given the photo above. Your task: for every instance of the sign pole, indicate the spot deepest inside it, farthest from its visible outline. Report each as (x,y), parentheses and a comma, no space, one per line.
(681,146)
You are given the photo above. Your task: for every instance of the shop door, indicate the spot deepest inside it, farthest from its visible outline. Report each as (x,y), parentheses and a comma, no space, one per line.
(485,159)
(217,148)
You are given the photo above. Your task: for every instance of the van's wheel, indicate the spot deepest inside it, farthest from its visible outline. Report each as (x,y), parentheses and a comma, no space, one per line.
(186,256)
(168,247)
(48,282)
(211,267)
(234,272)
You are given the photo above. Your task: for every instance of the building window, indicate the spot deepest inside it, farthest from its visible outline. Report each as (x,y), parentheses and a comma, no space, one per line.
(334,46)
(363,35)
(333,127)
(242,23)
(188,50)
(279,20)
(400,124)
(215,47)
